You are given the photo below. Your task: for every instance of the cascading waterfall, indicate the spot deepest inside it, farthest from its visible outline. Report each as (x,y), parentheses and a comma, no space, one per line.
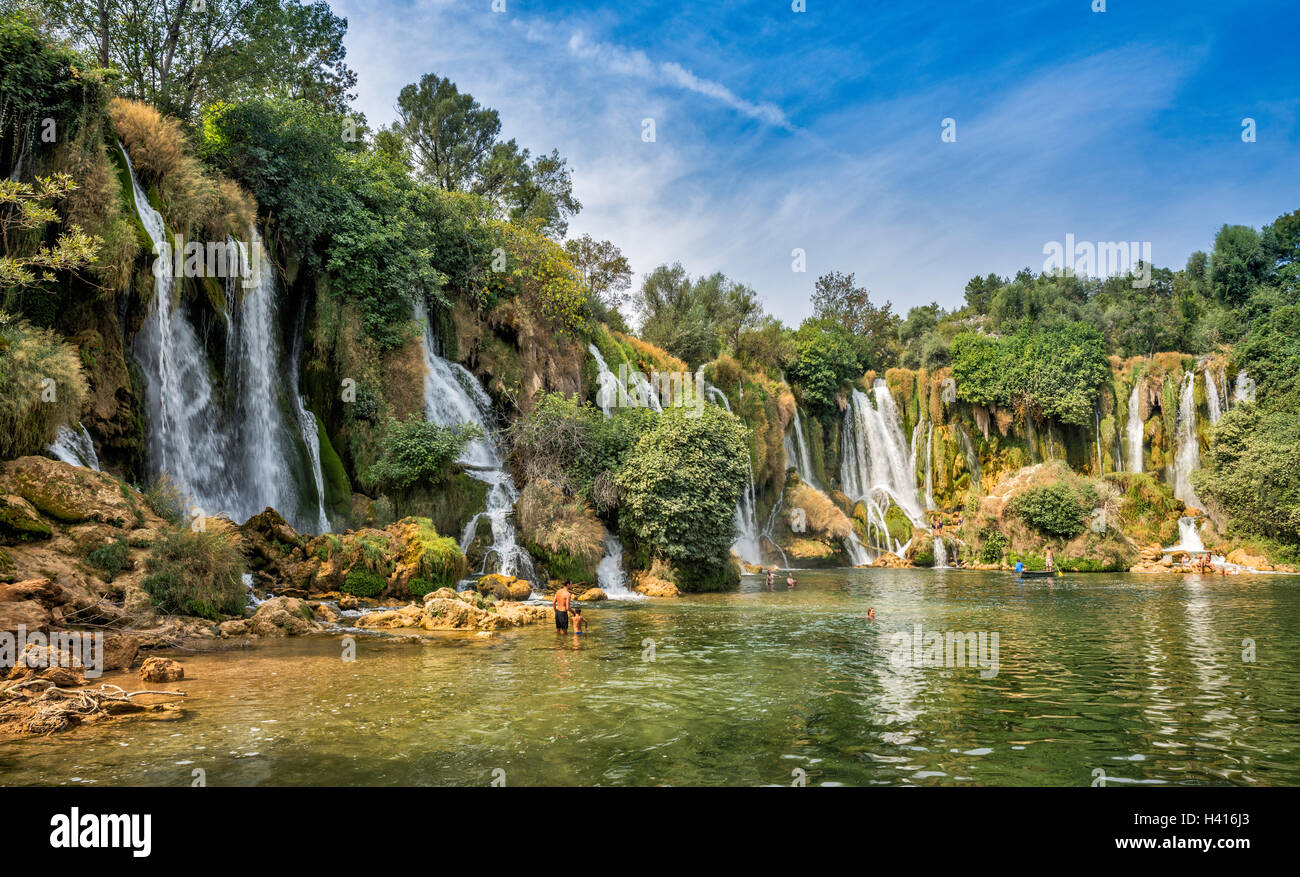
(1133,430)
(1212,401)
(972,458)
(610,575)
(929,468)
(1189,537)
(1096,420)
(74,446)
(184,419)
(1244,389)
(452,398)
(747,546)
(769,531)
(1187,456)
(797,451)
(234,462)
(876,466)
(261,439)
(940,553)
(307,423)
(611,392)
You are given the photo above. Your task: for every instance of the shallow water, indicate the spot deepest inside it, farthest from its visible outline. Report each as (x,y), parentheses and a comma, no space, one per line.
(1140,676)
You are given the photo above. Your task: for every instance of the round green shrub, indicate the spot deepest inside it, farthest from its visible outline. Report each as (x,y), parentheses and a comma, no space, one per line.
(363,583)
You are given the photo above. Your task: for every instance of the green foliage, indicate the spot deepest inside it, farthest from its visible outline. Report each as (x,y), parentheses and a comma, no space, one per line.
(825,359)
(995,543)
(418,587)
(164,498)
(1058,509)
(182,56)
(693,318)
(361,582)
(1251,473)
(1051,372)
(111,557)
(414,451)
(681,483)
(196,573)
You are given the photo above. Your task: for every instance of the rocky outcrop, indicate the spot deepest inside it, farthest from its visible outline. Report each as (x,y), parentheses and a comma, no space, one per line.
(505,587)
(468,610)
(592,595)
(278,616)
(889,560)
(401,560)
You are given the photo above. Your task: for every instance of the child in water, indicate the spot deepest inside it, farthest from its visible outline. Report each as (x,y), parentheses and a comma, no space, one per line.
(579,623)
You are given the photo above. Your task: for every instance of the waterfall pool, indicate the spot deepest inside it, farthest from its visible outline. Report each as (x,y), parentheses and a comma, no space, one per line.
(1141,676)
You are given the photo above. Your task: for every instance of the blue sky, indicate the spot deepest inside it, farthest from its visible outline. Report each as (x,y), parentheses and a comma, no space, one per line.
(820,130)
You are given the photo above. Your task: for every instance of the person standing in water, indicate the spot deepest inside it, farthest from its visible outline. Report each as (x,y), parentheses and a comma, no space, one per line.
(1048,563)
(771,578)
(579,623)
(789,579)
(563,600)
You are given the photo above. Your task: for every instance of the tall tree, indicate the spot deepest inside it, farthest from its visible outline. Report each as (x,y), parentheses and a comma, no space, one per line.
(180,55)
(454,143)
(603,268)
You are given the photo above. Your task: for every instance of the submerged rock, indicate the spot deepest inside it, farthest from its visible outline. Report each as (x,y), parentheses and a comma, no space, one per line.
(465,611)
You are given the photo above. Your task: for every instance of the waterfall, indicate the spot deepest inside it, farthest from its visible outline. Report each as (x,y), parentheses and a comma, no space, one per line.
(940,553)
(1212,398)
(1187,456)
(800,456)
(1244,390)
(307,423)
(262,439)
(1189,537)
(718,396)
(612,392)
(972,458)
(876,467)
(859,555)
(1133,429)
(452,398)
(747,546)
(929,468)
(234,460)
(1096,421)
(74,446)
(769,531)
(184,420)
(610,575)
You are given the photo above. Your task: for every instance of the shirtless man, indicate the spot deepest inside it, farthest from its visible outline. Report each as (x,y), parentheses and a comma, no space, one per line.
(563,599)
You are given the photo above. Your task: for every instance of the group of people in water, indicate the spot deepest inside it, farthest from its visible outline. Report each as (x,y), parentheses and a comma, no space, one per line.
(564,608)
(771,579)
(939,521)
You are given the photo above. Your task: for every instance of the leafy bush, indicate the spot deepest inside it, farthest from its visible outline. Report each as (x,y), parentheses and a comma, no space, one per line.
(995,543)
(825,358)
(681,483)
(439,559)
(1057,509)
(111,557)
(561,531)
(196,573)
(419,587)
(1250,471)
(413,451)
(361,582)
(164,497)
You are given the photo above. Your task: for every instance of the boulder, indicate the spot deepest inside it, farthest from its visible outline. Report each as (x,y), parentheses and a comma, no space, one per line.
(120,650)
(390,619)
(283,616)
(325,612)
(20,522)
(592,595)
(889,560)
(652,587)
(155,669)
(45,660)
(1242,557)
(27,613)
(70,494)
(42,591)
(459,614)
(505,587)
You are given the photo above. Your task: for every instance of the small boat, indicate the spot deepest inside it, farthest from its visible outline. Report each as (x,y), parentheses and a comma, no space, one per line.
(1037,574)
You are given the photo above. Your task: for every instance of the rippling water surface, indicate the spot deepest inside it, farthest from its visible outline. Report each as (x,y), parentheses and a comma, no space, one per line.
(1141,677)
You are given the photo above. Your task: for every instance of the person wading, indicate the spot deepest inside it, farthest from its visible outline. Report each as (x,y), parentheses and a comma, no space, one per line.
(563,599)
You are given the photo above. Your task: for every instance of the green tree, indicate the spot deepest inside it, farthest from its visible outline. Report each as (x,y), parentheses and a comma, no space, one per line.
(414,451)
(681,483)
(181,56)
